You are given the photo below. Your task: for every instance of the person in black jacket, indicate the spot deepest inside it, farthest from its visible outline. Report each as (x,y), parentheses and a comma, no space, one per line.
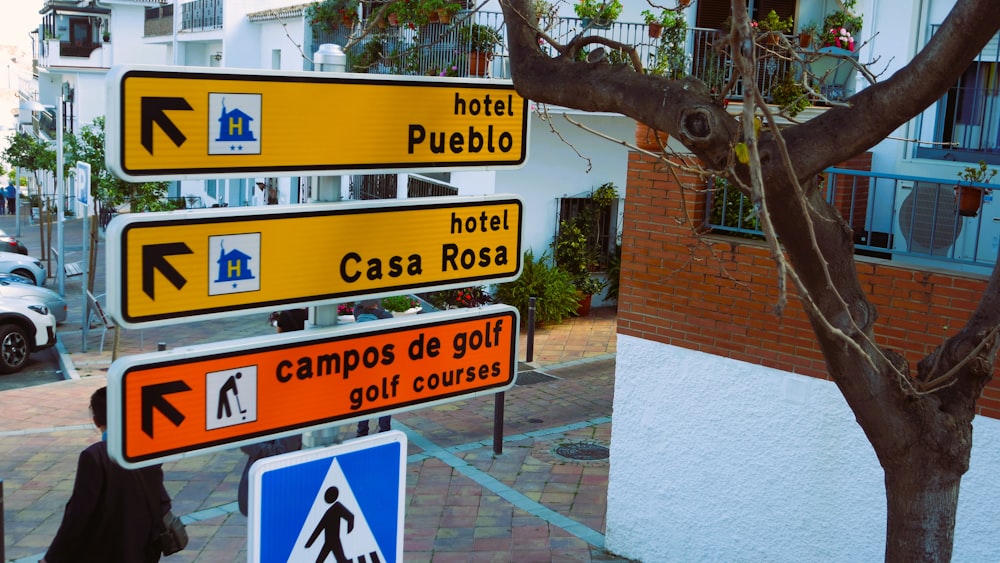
(285,321)
(107,518)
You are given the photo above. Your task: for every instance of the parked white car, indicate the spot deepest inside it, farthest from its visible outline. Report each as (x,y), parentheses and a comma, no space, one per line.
(25,266)
(51,299)
(25,328)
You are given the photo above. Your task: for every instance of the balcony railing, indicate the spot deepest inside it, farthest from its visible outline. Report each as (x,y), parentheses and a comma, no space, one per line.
(893,216)
(436,49)
(201,15)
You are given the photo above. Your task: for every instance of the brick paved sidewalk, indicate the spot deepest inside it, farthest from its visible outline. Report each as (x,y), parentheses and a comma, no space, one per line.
(463,503)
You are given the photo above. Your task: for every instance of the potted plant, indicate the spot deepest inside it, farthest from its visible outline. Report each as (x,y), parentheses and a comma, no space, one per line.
(598,14)
(807,34)
(328,14)
(480,40)
(556,296)
(445,9)
(773,27)
(576,246)
(654,22)
(410,13)
(575,255)
(970,197)
(840,27)
(790,96)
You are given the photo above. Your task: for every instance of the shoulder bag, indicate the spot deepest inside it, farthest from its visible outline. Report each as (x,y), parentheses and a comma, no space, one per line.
(171,533)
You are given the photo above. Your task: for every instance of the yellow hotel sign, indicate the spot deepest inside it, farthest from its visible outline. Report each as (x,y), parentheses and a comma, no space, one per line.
(168,124)
(180,266)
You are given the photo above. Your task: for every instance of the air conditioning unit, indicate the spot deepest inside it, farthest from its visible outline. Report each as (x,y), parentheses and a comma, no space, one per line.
(927,223)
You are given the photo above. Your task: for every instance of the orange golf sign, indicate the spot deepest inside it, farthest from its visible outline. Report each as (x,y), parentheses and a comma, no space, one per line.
(170,405)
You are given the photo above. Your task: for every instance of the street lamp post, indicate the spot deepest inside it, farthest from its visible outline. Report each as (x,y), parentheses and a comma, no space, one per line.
(60,196)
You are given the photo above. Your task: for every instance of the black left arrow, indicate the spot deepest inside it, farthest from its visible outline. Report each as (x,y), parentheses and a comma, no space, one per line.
(152,111)
(153,398)
(154,257)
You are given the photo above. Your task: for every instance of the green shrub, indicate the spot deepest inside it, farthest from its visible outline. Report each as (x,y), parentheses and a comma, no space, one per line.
(461,298)
(739,212)
(399,303)
(614,273)
(557,297)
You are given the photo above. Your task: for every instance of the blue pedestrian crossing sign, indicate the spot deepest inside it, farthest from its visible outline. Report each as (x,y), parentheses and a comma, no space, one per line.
(340,504)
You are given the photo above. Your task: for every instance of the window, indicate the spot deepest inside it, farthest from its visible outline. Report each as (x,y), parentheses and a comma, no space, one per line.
(966,126)
(602,222)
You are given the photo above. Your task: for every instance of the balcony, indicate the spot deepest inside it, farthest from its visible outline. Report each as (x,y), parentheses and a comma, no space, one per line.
(56,53)
(201,15)
(438,49)
(73,36)
(159,21)
(911,219)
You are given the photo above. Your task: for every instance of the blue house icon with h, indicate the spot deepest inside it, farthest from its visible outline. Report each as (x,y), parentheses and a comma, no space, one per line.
(234,126)
(233,266)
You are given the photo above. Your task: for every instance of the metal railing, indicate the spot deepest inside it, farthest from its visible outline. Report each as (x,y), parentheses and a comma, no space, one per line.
(201,15)
(892,216)
(437,49)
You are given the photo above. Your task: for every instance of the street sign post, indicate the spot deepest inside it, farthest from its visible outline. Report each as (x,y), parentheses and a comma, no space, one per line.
(169,124)
(175,267)
(298,501)
(178,403)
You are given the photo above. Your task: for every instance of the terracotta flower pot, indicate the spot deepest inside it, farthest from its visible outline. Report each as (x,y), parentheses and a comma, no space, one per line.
(969,200)
(444,16)
(655,30)
(478,63)
(650,139)
(772,38)
(393,18)
(805,39)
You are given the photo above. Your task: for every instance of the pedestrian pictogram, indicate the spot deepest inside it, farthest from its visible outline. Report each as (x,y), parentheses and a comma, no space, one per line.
(343,503)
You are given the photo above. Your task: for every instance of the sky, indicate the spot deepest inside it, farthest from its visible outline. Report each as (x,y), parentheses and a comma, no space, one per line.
(17,18)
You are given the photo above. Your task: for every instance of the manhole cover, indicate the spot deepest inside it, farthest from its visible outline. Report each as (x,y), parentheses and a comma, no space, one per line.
(583,451)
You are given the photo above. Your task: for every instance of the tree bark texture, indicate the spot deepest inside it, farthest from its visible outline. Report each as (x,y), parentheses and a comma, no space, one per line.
(918,424)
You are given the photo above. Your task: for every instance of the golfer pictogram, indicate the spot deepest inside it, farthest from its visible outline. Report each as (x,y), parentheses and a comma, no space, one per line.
(329,525)
(230,387)
(230,397)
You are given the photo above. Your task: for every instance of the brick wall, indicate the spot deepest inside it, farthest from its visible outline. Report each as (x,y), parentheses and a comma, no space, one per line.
(717,294)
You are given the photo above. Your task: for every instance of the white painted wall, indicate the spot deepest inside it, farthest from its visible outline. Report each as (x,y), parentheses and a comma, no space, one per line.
(720,460)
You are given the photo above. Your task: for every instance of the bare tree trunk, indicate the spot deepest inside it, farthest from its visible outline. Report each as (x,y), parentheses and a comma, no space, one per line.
(920,427)
(922,503)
